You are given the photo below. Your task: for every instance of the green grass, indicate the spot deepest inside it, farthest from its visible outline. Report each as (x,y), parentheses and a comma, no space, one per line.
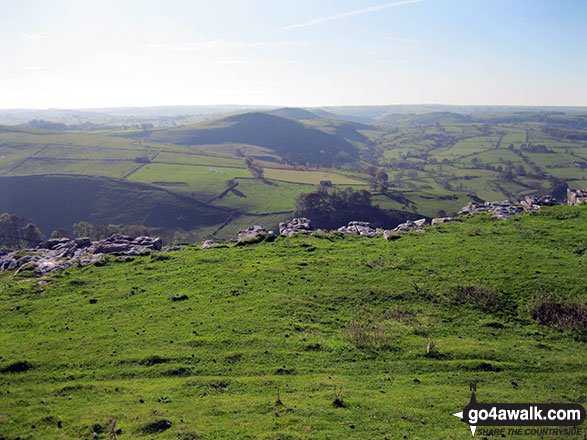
(105,168)
(196,159)
(310,177)
(297,318)
(258,196)
(198,179)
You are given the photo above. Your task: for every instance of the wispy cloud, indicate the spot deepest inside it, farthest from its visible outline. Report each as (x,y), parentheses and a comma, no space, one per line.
(352,13)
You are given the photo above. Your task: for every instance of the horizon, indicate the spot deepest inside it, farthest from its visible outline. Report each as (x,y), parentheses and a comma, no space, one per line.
(260,107)
(79,55)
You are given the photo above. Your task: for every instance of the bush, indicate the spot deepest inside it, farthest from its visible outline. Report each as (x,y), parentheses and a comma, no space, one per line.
(483,298)
(558,311)
(365,337)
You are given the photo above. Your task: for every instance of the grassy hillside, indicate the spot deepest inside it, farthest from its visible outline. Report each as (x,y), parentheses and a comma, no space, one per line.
(266,336)
(59,201)
(288,138)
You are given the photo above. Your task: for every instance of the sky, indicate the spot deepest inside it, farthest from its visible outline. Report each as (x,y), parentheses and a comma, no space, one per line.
(113,53)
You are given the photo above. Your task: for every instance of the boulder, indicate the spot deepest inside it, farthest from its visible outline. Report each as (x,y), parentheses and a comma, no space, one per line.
(208,244)
(576,196)
(295,225)
(360,228)
(250,232)
(439,220)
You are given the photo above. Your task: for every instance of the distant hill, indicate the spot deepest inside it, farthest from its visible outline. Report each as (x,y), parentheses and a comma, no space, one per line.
(424,119)
(288,138)
(299,114)
(54,201)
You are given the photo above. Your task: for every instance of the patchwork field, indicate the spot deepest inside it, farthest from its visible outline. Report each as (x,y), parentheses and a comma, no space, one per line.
(422,156)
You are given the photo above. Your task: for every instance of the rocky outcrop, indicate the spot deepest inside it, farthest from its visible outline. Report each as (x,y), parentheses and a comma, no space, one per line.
(410,225)
(58,254)
(505,209)
(360,228)
(294,226)
(439,220)
(576,196)
(208,244)
(252,232)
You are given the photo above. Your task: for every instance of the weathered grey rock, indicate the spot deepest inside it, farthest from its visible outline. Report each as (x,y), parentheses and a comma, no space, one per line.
(410,225)
(52,243)
(250,232)
(58,254)
(82,242)
(208,244)
(421,222)
(576,196)
(359,228)
(439,220)
(111,248)
(173,249)
(294,226)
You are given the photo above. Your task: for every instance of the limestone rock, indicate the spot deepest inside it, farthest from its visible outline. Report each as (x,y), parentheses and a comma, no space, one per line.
(439,220)
(208,244)
(295,225)
(250,232)
(576,196)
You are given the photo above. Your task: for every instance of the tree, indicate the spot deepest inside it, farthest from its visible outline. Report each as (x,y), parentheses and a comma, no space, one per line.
(371,170)
(17,232)
(60,233)
(331,209)
(84,229)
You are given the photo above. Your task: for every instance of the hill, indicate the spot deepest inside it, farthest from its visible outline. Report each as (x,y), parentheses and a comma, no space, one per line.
(299,114)
(59,201)
(424,119)
(288,138)
(306,337)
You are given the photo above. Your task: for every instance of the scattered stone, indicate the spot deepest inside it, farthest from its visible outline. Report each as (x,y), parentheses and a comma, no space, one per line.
(60,253)
(294,226)
(173,249)
(576,196)
(409,225)
(437,221)
(360,228)
(209,244)
(93,301)
(505,209)
(250,232)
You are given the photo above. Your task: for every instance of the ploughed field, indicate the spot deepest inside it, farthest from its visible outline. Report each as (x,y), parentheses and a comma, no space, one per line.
(315,337)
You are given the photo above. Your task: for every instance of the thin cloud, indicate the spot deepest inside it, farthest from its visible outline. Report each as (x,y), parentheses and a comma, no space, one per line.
(352,13)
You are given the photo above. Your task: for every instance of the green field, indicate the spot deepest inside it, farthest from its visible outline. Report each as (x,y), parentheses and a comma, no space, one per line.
(493,157)
(199,179)
(276,196)
(269,334)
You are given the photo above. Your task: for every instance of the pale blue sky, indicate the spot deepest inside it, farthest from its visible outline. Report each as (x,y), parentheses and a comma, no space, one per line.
(77,53)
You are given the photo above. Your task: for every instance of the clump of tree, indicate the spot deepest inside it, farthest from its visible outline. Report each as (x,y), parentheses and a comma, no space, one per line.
(16,232)
(255,169)
(330,209)
(379,180)
(231,183)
